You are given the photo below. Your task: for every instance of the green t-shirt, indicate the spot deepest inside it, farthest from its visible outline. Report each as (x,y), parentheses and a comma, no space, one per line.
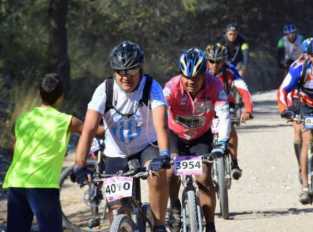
(42,136)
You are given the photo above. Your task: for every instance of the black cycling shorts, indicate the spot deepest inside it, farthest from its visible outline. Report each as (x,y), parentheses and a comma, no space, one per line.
(198,146)
(115,164)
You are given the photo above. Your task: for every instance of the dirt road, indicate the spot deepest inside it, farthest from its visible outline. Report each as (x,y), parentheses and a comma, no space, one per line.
(266,197)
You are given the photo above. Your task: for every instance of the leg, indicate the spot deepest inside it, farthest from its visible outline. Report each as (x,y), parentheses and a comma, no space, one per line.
(20,216)
(45,204)
(207,197)
(306,141)
(297,141)
(233,149)
(158,196)
(233,143)
(158,186)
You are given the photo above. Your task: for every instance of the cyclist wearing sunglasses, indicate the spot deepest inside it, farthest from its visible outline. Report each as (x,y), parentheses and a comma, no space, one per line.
(132,128)
(194,97)
(229,76)
(299,78)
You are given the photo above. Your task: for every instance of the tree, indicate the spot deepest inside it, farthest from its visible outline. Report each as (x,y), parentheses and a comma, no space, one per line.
(58,60)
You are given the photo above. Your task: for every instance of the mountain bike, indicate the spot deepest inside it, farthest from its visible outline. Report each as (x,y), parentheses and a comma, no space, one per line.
(83,207)
(124,187)
(187,167)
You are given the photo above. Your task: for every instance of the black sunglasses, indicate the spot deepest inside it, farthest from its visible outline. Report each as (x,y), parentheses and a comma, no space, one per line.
(215,61)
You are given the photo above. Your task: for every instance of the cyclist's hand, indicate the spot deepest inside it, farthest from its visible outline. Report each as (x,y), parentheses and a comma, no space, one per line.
(79,174)
(245,116)
(288,114)
(160,162)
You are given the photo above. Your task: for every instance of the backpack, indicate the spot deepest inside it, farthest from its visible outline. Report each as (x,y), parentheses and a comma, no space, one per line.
(143,101)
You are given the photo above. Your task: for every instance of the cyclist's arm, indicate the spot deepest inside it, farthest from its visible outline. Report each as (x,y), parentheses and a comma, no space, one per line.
(89,130)
(77,127)
(289,83)
(160,125)
(91,123)
(158,105)
(244,92)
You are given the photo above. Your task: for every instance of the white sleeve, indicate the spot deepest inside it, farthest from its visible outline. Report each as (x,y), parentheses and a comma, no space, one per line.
(221,108)
(98,99)
(156,95)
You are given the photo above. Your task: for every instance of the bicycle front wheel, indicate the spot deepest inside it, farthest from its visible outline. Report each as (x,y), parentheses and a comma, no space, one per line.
(122,223)
(222,190)
(193,218)
(83,208)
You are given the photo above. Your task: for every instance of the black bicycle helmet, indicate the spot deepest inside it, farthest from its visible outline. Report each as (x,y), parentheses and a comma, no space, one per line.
(126,55)
(232,27)
(216,52)
(192,62)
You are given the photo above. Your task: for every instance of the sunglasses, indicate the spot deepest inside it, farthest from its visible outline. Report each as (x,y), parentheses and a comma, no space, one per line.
(128,72)
(215,61)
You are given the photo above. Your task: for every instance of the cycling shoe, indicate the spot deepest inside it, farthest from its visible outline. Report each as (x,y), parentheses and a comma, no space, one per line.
(305,197)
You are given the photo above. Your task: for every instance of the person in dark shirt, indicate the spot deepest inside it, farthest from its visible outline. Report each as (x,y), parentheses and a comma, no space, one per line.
(237,47)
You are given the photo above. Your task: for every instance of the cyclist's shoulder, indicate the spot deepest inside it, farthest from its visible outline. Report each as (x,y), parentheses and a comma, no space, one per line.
(281,42)
(173,82)
(297,66)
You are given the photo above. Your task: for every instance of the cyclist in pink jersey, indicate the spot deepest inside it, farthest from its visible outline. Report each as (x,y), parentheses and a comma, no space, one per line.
(194,98)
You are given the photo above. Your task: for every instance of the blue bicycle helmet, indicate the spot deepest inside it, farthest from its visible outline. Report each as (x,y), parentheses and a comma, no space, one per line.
(192,62)
(307,46)
(289,28)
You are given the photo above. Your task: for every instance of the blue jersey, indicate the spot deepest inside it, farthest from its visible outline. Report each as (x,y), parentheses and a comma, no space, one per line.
(293,81)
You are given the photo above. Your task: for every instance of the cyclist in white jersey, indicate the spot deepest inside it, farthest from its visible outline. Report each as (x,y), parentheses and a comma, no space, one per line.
(131,128)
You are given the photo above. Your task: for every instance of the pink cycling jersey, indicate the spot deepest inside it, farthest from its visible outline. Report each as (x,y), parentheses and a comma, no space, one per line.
(190,118)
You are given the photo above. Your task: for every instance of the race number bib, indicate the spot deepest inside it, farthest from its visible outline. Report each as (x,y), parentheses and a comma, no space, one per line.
(118,187)
(308,122)
(188,165)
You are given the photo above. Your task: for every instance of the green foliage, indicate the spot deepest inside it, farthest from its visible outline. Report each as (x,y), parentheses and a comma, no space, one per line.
(163,28)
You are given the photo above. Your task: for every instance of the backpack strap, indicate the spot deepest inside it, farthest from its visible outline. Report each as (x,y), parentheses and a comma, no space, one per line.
(146,91)
(109,94)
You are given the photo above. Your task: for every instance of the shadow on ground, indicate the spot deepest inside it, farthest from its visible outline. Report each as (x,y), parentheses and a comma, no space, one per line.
(261,214)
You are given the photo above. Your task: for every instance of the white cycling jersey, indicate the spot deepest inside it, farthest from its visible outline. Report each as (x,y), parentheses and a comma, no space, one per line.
(292,50)
(125,136)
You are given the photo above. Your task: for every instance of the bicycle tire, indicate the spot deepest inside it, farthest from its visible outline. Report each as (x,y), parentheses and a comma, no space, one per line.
(192,210)
(122,223)
(67,223)
(222,187)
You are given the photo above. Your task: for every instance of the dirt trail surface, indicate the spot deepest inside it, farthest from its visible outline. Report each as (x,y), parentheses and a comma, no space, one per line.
(265,199)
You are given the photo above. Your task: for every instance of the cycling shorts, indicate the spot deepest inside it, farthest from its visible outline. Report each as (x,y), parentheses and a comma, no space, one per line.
(115,164)
(198,146)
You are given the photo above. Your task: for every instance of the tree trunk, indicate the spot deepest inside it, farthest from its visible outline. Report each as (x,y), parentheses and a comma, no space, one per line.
(58,60)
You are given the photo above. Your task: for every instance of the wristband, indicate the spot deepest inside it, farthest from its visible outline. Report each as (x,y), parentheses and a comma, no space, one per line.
(164,152)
